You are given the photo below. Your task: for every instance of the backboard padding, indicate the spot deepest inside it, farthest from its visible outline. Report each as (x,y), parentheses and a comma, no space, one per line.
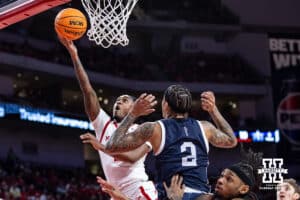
(10,14)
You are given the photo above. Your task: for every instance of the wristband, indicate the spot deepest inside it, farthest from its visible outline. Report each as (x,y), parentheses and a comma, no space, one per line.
(149,145)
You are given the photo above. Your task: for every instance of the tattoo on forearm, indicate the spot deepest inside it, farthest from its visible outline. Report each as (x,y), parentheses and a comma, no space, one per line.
(120,132)
(219,138)
(222,140)
(121,142)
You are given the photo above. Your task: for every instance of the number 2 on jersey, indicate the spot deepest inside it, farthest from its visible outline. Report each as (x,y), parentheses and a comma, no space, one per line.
(191,159)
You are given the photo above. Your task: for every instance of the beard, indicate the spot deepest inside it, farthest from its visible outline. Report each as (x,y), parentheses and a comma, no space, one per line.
(221,197)
(117,119)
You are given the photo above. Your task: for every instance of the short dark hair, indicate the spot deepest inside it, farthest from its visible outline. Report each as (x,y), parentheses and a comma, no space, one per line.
(133,98)
(247,169)
(179,98)
(244,172)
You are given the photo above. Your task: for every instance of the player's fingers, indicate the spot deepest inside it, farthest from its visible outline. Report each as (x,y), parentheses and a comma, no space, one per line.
(205,107)
(153,103)
(209,95)
(180,180)
(64,40)
(183,187)
(90,136)
(206,101)
(149,111)
(206,97)
(165,186)
(104,183)
(150,98)
(99,179)
(61,38)
(86,135)
(83,136)
(86,141)
(142,96)
(174,180)
(108,191)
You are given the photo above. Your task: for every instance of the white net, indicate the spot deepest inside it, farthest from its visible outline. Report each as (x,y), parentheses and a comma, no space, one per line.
(108,21)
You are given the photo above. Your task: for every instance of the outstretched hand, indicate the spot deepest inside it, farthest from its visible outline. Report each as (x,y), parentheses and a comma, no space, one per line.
(208,101)
(143,105)
(89,138)
(111,190)
(68,44)
(176,189)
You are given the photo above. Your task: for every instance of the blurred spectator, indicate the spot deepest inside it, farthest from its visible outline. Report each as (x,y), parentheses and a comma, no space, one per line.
(288,190)
(35,182)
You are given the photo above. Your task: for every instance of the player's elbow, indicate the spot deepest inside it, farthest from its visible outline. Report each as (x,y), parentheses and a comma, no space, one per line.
(226,144)
(108,149)
(233,143)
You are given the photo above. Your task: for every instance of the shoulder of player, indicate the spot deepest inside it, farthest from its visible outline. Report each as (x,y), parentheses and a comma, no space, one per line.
(208,128)
(100,116)
(149,128)
(207,125)
(150,125)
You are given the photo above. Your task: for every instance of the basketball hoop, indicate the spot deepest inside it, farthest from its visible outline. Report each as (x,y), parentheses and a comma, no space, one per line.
(108,21)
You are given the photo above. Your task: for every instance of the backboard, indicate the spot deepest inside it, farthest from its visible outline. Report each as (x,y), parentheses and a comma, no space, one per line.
(12,11)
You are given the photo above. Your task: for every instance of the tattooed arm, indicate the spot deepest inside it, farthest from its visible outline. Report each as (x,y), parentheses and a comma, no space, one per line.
(122,142)
(130,157)
(222,136)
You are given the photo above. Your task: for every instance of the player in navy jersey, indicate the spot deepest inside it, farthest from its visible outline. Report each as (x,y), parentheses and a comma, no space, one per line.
(179,142)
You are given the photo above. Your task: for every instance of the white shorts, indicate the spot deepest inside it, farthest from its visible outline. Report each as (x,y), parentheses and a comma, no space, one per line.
(141,191)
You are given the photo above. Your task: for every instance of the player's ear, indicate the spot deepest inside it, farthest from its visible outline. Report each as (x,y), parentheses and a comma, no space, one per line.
(244,189)
(296,195)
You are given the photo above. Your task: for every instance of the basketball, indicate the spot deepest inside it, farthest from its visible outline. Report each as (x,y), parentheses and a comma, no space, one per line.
(70,23)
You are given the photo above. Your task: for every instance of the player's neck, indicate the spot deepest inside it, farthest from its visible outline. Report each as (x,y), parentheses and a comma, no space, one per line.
(178,116)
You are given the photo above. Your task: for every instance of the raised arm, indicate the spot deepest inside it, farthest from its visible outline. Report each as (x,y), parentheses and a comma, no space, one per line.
(222,136)
(91,103)
(121,142)
(131,156)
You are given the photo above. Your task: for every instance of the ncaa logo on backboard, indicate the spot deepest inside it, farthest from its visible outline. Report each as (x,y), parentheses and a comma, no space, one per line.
(288,117)
(272,170)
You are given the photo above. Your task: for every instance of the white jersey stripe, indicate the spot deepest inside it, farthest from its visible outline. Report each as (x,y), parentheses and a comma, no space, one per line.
(163,138)
(204,136)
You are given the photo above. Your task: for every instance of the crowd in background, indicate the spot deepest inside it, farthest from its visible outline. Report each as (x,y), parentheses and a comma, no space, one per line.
(211,12)
(27,181)
(197,67)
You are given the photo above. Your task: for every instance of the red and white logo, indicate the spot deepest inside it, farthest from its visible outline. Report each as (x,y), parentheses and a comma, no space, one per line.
(288,117)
